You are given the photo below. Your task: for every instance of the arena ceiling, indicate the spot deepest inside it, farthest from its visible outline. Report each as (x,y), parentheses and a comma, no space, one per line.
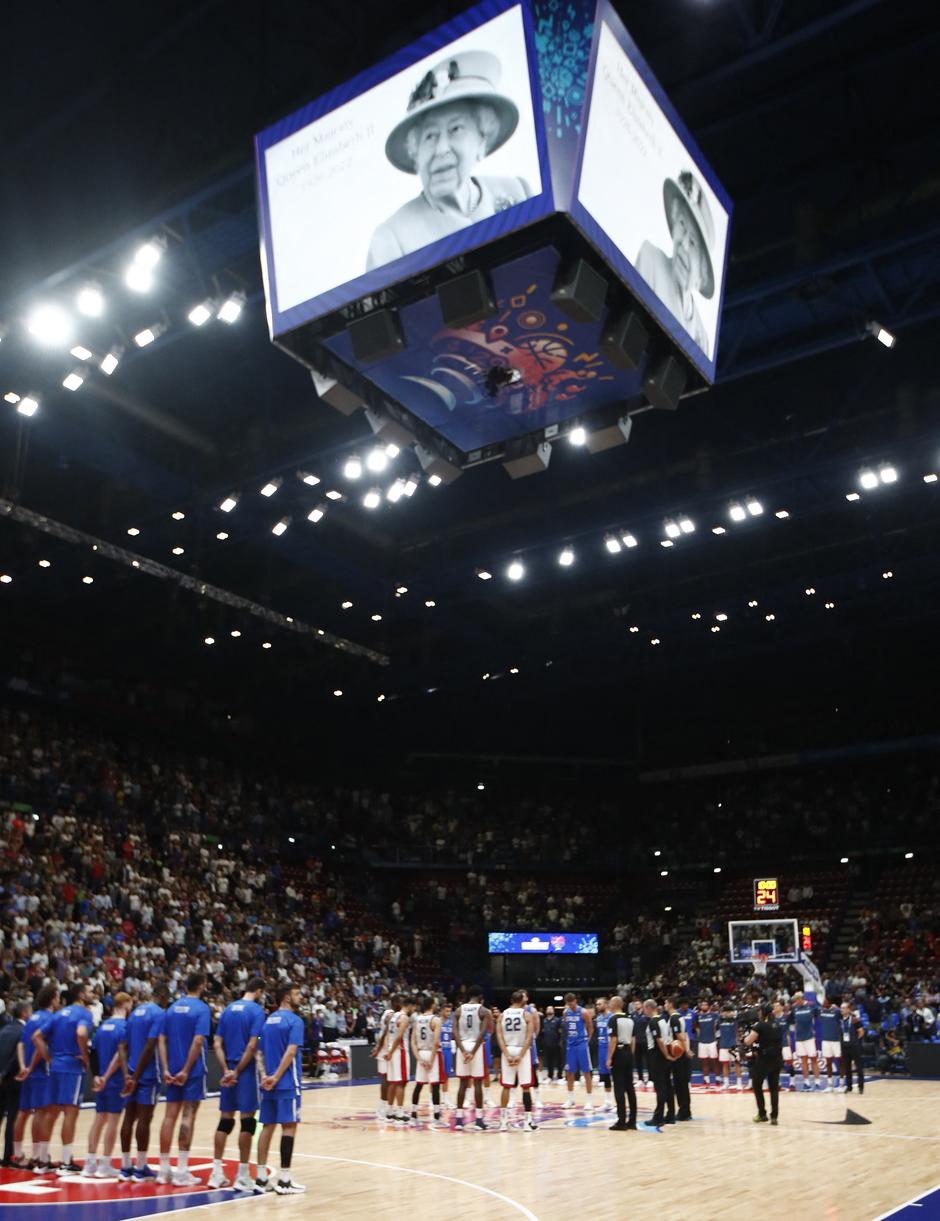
(820,121)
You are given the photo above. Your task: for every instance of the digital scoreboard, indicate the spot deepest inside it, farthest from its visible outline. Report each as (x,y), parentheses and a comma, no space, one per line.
(766,895)
(542,943)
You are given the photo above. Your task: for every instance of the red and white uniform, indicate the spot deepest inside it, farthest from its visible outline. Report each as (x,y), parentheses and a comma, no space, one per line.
(381,1039)
(397,1070)
(513,1025)
(468,1022)
(427,1071)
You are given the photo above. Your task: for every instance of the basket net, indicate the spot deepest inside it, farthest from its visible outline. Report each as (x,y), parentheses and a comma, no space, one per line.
(759,963)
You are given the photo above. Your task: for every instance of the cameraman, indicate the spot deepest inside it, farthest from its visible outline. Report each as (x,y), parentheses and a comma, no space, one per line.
(767,1040)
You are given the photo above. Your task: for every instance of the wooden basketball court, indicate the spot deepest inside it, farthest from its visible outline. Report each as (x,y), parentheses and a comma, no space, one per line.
(720,1165)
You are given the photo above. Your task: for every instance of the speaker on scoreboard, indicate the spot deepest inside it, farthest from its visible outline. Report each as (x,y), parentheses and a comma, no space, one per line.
(376,335)
(664,383)
(624,340)
(466,299)
(335,394)
(580,291)
(525,459)
(599,439)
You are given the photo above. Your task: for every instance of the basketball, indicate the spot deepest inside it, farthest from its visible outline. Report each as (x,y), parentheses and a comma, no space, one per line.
(675,1050)
(426,1056)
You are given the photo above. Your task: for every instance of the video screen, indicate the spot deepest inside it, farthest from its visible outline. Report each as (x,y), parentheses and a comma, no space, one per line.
(651,195)
(410,165)
(542,943)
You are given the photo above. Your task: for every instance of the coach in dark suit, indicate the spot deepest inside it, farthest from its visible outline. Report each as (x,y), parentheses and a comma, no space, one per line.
(852,1034)
(551,1044)
(10,1036)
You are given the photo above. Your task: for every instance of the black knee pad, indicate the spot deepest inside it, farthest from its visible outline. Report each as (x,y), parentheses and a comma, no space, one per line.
(226,1125)
(249,1125)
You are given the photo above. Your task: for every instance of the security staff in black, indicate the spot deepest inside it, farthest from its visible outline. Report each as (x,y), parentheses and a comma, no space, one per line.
(852,1034)
(682,1068)
(658,1037)
(621,1046)
(766,1038)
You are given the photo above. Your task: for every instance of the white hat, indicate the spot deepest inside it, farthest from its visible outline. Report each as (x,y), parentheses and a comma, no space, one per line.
(471,76)
(688,189)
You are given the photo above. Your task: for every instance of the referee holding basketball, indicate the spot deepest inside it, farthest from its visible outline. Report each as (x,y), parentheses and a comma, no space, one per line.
(621,1046)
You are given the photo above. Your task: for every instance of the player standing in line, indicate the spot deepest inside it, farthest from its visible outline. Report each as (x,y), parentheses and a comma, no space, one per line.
(397,1040)
(279,1049)
(69,1038)
(804,1019)
(727,1047)
(536,1017)
(601,1020)
(830,1036)
(380,1052)
(141,1037)
(186,1029)
(108,1050)
(782,1022)
(236,1043)
(447,1050)
(489,1059)
(429,1064)
(514,1034)
(707,1029)
(578,1028)
(34,1076)
(472,1023)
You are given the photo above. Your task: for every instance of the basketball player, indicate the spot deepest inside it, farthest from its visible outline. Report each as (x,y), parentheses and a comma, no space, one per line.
(514,1034)
(491,1056)
(397,1039)
(782,1020)
(707,1028)
(186,1029)
(830,1036)
(727,1045)
(141,1038)
(33,1054)
(804,1019)
(69,1039)
(447,1050)
(108,1049)
(279,1049)
(236,1044)
(536,1016)
(379,1051)
(426,1049)
(601,1018)
(578,1027)
(472,1024)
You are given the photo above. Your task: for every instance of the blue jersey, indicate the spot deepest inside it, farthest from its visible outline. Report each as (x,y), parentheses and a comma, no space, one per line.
(575,1031)
(240,1021)
(186,1018)
(783,1025)
(41,1020)
(805,1019)
(107,1037)
(447,1034)
(601,1022)
(281,1030)
(145,1022)
(707,1026)
(727,1032)
(63,1038)
(830,1024)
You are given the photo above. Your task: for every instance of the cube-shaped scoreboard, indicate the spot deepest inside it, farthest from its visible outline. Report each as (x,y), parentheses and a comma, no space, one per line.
(500,233)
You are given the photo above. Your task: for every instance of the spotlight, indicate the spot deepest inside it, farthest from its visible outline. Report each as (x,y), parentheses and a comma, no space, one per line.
(931,478)
(88,580)
(230,309)
(376,618)
(310,480)
(27,406)
(686,525)
(199,314)
(291,840)
(513,669)
(50,325)
(566,557)
(737,512)
(634,628)
(11,397)
(628,540)
(770,618)
(209,640)
(178,551)
(656,852)
(178,515)
(90,302)
(377,461)
(666,542)
(696,615)
(908,856)
(6,579)
(149,254)
(655,640)
(612,543)
(235,633)
(515,571)
(810,590)
(411,486)
(852,496)
(577,436)
(133,531)
(109,363)
(782,514)
(279,527)
(480,788)
(270,487)
(266,644)
(883,335)
(868,479)
(752,603)
(139,279)
(392,451)
(430,603)
(401,589)
(484,575)
(145,337)
(396,491)
(315,515)
(830,605)
(372,499)
(338,692)
(715,627)
(664,873)
(73,381)
(228,504)
(722,617)
(221,536)
(380,699)
(886,576)
(717,869)
(353,468)
(672,530)
(80,353)
(435,481)
(843,860)
(44,564)
(719,530)
(888,473)
(333,495)
(754,507)
(346,605)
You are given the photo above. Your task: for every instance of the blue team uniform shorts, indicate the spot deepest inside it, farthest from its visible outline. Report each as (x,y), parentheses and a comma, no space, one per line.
(66,1089)
(448,1054)
(578,1057)
(109,1101)
(279,1108)
(193,1090)
(243,1095)
(34,1092)
(146,1094)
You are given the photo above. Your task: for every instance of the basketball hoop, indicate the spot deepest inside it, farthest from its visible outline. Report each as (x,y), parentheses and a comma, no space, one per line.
(759,963)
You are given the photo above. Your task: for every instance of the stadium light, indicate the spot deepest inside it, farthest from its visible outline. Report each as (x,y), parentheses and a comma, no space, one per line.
(178,551)
(435,481)
(628,540)
(392,450)
(515,571)
(27,406)
(133,531)
(376,618)
(737,512)
(396,491)
(717,869)
(50,325)
(353,468)
(430,603)
(577,436)
(666,542)
(566,557)
(209,640)
(139,279)
(11,397)
(73,381)
(882,334)
(310,480)
(334,495)
(887,575)
(843,860)
(770,618)
(44,564)
(686,525)
(222,536)
(484,575)
(235,633)
(696,615)
(908,856)
(852,496)
(634,628)
(149,254)
(411,486)
(721,617)
(868,479)
(719,530)
(81,353)
(715,627)
(372,499)
(888,473)
(5,579)
(109,363)
(672,529)
(178,515)
(656,852)
(664,873)
(199,314)
(315,515)
(754,507)
(90,302)
(88,580)
(782,514)
(338,692)
(230,309)
(266,644)
(377,461)
(270,487)
(145,337)
(612,543)
(752,603)
(279,527)
(930,478)
(346,605)
(229,503)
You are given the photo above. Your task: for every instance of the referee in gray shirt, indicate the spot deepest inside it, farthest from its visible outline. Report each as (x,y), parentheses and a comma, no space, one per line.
(620,1048)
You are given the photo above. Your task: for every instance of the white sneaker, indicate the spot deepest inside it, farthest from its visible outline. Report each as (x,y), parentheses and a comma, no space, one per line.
(107,1171)
(530,1126)
(244,1183)
(88,1170)
(164,1177)
(567,1104)
(287,1187)
(504,1125)
(588,1107)
(608,1106)
(218,1180)
(183,1178)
